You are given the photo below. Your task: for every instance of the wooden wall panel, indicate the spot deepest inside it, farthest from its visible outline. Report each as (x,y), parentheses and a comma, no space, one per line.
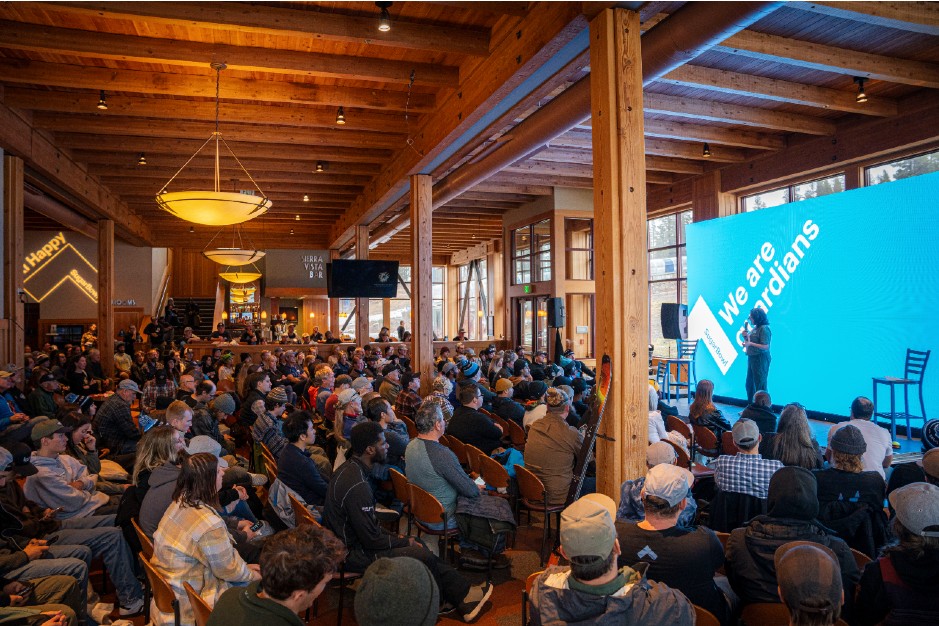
(193,275)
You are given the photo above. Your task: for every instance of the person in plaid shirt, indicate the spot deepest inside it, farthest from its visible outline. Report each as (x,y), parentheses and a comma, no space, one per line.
(160,386)
(746,472)
(409,400)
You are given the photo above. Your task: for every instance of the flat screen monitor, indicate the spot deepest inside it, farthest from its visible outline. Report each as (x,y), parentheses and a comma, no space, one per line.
(362,279)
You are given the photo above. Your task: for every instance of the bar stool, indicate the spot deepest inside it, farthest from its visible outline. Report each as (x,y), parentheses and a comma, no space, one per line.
(913,372)
(687,350)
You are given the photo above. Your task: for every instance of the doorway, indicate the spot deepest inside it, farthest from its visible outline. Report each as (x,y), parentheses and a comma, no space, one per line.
(531,322)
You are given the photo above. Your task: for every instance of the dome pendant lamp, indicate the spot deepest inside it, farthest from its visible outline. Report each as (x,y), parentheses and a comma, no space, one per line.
(237,255)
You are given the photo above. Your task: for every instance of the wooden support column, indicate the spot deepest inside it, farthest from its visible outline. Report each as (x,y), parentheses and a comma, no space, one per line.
(361,304)
(106,295)
(619,195)
(11,326)
(707,199)
(422,303)
(334,303)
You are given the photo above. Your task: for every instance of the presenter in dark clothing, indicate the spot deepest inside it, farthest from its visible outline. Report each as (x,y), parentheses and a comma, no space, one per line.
(756,343)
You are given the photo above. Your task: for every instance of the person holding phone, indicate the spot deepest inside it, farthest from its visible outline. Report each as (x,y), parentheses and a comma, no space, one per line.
(756,343)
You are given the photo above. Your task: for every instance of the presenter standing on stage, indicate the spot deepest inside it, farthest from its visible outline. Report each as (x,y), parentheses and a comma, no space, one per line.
(756,343)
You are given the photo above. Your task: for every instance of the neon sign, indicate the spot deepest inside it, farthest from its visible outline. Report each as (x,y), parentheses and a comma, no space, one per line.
(55,263)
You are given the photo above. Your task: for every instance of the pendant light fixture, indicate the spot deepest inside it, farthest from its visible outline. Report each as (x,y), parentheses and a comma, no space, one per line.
(861,96)
(340,116)
(102,101)
(384,18)
(706,151)
(237,255)
(240,275)
(214,207)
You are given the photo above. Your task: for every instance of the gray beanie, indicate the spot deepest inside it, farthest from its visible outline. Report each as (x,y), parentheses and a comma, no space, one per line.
(848,440)
(223,403)
(397,592)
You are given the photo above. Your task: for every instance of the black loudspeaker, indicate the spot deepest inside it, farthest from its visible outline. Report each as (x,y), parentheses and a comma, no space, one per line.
(556,317)
(674,320)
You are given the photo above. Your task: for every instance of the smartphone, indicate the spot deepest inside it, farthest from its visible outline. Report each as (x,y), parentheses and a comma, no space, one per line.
(258,525)
(479,481)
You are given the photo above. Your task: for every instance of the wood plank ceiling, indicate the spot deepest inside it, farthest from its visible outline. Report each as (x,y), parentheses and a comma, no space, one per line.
(291,65)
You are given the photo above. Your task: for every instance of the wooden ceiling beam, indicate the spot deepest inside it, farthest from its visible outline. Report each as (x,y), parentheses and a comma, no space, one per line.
(336,183)
(176,109)
(917,17)
(160,164)
(777,90)
(135,49)
(495,185)
(681,131)
(677,166)
(695,151)
(306,23)
(203,85)
(534,166)
(121,126)
(753,45)
(548,179)
(517,9)
(712,111)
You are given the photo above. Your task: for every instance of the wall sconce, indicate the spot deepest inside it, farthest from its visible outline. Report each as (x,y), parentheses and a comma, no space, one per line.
(224,315)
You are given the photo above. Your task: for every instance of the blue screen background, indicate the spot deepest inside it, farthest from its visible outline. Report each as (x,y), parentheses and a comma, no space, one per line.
(865,291)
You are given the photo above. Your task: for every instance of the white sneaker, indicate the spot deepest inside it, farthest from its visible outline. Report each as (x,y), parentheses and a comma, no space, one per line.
(134,608)
(475,601)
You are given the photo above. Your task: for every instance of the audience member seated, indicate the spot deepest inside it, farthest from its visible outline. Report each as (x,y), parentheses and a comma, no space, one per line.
(503,405)
(295,467)
(160,388)
(440,395)
(471,426)
(82,446)
(179,416)
(268,427)
(436,470)
(760,410)
(592,589)
(408,398)
(350,513)
(192,544)
(397,591)
(745,472)
(902,586)
(396,431)
(792,514)
(470,372)
(879,452)
(46,601)
(657,430)
(702,411)
(207,420)
(347,413)
(59,547)
(258,385)
(391,382)
(42,398)
(631,508)
(809,583)
(668,549)
(536,407)
(295,565)
(552,447)
(793,443)
(114,423)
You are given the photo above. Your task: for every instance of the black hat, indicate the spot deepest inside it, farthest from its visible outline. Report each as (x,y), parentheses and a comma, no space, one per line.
(391,367)
(409,376)
(46,378)
(17,460)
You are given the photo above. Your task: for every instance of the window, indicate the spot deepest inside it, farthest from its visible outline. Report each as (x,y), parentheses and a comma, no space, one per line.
(902,168)
(794,193)
(474,305)
(376,317)
(400,305)
(438,289)
(531,253)
(578,248)
(347,317)
(667,272)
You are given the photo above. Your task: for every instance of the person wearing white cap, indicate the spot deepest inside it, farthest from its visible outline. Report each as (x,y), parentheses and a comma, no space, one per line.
(572,594)
(631,508)
(668,548)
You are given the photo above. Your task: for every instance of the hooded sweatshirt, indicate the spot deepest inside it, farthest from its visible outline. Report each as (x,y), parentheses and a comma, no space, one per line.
(900,588)
(162,484)
(50,487)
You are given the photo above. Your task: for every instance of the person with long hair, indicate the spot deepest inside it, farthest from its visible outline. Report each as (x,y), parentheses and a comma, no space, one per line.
(793,443)
(702,411)
(902,586)
(83,446)
(79,380)
(756,344)
(192,543)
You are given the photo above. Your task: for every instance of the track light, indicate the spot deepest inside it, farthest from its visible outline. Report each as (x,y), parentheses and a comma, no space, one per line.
(340,116)
(192,229)
(321,166)
(296,217)
(706,152)
(102,101)
(306,198)
(142,159)
(384,18)
(291,231)
(861,95)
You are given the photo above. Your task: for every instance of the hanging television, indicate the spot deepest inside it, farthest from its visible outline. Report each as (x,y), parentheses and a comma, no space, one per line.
(362,279)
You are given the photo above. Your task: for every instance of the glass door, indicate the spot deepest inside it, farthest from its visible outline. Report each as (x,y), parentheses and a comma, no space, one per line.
(532,322)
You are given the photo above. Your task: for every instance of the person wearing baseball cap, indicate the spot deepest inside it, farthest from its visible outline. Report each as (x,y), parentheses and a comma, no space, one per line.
(114,423)
(503,405)
(391,382)
(572,594)
(42,398)
(631,508)
(409,398)
(745,472)
(809,580)
(14,422)
(17,460)
(553,445)
(659,539)
(902,586)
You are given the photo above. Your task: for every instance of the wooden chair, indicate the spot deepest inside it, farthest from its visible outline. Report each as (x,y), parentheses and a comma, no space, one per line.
(705,442)
(675,423)
(200,610)
(459,449)
(305,518)
(699,471)
(399,484)
(497,477)
(534,497)
(861,559)
(163,595)
(728,446)
(445,441)
(516,435)
(526,593)
(226,386)
(702,617)
(412,427)
(472,457)
(769,614)
(146,549)
(503,423)
(427,510)
(724,538)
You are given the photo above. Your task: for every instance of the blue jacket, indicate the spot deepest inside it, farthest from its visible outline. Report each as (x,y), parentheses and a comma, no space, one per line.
(297,470)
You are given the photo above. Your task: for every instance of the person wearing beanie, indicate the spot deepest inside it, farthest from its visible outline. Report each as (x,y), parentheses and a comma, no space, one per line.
(552,447)
(902,586)
(397,592)
(340,384)
(879,453)
(791,515)
(809,583)
(746,472)
(268,427)
(440,395)
(631,508)
(470,372)
(296,565)
(503,405)
(348,413)
(409,398)
(849,496)
(535,408)
(391,382)
(471,426)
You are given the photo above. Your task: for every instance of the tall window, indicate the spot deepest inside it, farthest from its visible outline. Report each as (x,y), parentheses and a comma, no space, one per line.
(347,317)
(531,253)
(401,304)
(474,304)
(667,272)
(438,289)
(902,168)
(794,193)
(578,248)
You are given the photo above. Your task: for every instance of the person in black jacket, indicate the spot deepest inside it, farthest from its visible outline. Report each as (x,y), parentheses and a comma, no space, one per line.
(472,427)
(258,386)
(760,411)
(504,406)
(350,513)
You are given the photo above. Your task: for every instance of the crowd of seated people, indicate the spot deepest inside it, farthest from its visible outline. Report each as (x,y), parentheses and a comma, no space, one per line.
(177,450)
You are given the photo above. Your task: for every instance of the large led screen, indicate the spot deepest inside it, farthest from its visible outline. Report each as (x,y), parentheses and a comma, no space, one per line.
(849,282)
